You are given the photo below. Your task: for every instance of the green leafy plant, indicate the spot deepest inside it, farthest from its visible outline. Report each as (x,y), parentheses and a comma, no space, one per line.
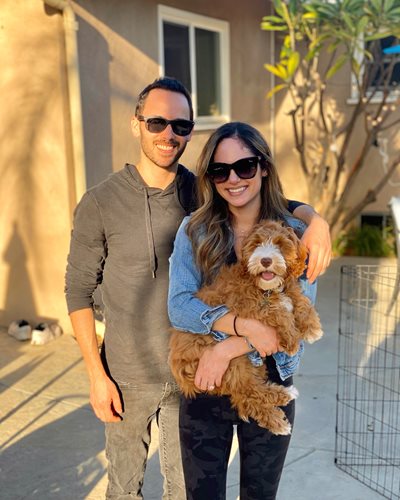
(322,41)
(366,241)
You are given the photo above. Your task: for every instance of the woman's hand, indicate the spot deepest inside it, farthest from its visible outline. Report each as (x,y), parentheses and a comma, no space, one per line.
(212,365)
(317,239)
(214,361)
(318,242)
(263,337)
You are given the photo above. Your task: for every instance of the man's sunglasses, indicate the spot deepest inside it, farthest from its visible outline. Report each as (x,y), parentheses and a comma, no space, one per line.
(156,124)
(246,168)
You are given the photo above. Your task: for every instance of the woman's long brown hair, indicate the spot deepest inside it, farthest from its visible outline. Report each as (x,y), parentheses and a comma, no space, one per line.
(210,225)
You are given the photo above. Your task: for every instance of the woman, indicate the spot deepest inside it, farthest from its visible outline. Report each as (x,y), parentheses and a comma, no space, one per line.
(237,187)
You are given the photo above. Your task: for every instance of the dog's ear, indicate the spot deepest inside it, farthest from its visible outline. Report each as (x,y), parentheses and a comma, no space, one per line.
(298,265)
(302,255)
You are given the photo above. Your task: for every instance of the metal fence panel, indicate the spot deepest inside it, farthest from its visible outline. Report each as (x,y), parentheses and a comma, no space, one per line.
(368,391)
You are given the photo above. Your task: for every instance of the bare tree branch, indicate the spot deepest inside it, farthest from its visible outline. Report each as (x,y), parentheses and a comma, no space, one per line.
(333,142)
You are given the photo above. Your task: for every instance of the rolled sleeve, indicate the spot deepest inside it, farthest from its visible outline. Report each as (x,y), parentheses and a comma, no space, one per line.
(186,311)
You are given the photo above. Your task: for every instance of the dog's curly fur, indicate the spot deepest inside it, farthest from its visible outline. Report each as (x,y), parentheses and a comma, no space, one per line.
(263,285)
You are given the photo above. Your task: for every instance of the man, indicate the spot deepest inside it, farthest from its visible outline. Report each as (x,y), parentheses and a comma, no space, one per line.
(123,235)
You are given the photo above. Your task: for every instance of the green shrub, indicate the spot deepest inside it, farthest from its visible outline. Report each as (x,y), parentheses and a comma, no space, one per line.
(366,241)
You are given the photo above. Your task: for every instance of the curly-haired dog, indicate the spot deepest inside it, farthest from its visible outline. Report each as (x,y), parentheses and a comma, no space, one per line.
(264,286)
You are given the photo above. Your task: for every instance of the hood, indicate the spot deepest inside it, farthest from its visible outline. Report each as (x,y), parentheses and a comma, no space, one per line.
(183,188)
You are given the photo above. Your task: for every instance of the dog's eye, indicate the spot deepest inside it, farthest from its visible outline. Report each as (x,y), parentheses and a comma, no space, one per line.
(284,244)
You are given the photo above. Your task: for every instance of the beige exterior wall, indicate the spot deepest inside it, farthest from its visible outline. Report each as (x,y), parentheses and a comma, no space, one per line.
(118,50)
(34,187)
(118,55)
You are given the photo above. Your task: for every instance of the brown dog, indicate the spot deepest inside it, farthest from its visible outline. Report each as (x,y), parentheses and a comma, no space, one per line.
(264,286)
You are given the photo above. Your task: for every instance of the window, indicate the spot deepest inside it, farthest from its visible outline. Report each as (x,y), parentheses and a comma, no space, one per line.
(195,49)
(379,220)
(383,71)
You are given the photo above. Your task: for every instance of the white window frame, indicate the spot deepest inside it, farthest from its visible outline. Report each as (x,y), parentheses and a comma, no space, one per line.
(393,94)
(193,21)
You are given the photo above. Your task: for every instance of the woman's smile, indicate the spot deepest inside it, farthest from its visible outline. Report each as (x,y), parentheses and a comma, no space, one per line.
(237,192)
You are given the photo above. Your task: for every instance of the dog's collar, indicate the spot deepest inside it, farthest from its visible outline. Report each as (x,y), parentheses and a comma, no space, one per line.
(267,294)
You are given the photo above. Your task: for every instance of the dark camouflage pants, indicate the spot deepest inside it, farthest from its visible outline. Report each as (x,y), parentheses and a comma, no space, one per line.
(206,433)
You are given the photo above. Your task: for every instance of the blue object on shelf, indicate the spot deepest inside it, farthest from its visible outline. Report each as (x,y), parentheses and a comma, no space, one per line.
(392,50)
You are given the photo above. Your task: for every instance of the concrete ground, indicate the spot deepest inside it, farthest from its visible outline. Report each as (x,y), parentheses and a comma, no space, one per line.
(52,446)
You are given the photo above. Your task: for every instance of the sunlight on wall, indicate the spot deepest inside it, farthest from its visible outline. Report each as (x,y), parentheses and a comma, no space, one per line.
(34,220)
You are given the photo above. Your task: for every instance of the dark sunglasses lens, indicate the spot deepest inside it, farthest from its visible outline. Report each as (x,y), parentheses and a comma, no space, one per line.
(156,125)
(182,127)
(218,173)
(246,168)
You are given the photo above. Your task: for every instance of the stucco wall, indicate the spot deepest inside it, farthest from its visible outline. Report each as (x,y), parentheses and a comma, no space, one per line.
(34,188)
(118,50)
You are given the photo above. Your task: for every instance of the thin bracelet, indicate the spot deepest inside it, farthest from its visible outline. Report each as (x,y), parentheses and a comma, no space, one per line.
(249,345)
(234,328)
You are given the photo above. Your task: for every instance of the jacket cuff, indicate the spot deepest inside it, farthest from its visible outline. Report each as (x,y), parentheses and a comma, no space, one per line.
(210,316)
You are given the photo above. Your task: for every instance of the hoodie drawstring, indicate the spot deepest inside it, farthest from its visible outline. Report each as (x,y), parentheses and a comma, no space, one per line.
(149,233)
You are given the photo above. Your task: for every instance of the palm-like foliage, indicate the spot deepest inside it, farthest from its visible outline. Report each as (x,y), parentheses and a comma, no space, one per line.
(323,41)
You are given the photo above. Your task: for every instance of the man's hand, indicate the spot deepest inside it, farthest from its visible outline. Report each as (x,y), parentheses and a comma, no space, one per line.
(317,239)
(104,395)
(105,400)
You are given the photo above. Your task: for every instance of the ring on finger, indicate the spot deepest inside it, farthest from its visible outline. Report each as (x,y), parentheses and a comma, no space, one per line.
(211,387)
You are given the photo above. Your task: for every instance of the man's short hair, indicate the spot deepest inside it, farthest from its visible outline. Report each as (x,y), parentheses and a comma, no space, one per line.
(165,83)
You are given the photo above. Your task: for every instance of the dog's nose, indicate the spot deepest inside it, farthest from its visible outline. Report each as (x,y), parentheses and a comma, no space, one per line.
(266,261)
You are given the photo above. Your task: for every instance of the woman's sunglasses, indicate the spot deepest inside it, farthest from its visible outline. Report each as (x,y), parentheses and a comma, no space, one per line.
(156,124)
(246,168)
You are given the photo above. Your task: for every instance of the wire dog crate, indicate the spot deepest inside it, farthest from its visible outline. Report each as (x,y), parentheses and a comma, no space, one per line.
(368,392)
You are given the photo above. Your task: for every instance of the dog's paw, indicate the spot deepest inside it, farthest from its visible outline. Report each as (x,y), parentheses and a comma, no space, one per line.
(293,392)
(284,429)
(292,349)
(313,336)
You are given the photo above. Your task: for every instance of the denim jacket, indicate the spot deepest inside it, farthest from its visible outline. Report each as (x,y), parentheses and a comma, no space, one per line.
(188,313)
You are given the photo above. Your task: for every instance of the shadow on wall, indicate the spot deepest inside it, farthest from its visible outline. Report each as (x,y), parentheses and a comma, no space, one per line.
(131,22)
(118,53)
(32,164)
(18,289)
(94,61)
(19,136)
